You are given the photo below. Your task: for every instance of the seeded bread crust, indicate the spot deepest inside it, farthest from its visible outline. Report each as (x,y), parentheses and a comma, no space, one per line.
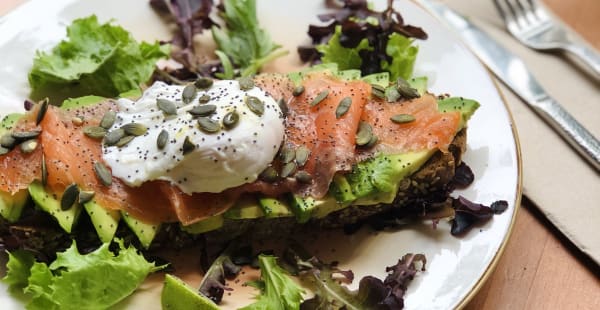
(42,237)
(432,178)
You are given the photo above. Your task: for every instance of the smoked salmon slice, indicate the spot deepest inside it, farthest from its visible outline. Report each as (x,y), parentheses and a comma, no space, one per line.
(430,129)
(315,125)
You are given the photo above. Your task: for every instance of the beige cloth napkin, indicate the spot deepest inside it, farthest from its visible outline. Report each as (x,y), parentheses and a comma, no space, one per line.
(555,177)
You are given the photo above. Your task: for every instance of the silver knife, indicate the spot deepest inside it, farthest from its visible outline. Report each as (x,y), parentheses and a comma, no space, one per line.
(513,72)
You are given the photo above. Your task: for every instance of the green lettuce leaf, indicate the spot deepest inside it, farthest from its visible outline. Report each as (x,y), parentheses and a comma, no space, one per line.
(18,269)
(95,59)
(248,45)
(96,280)
(399,48)
(345,58)
(280,291)
(403,55)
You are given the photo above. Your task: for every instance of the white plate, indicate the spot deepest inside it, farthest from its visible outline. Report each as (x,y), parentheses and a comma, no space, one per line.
(456,267)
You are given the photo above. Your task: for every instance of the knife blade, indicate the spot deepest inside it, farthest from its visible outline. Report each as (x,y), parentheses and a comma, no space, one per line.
(513,72)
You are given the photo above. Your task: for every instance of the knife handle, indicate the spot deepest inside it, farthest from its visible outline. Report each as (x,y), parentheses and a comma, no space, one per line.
(587,55)
(570,129)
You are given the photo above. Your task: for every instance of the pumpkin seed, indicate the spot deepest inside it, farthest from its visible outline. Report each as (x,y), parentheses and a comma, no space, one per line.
(298,90)
(364,134)
(69,197)
(44,170)
(203,83)
(77,120)
(108,119)
(208,125)
(269,175)
(28,146)
(255,105)
(188,145)
(103,173)
(124,141)
(3,150)
(246,83)
(288,169)
(406,90)
(113,136)
(392,94)
(85,196)
(303,177)
(167,106)
(25,135)
(95,132)
(231,119)
(378,91)
(372,142)
(8,141)
(402,118)
(42,111)
(161,140)
(203,110)
(189,93)
(287,154)
(283,106)
(302,153)
(204,98)
(320,97)
(134,129)
(343,107)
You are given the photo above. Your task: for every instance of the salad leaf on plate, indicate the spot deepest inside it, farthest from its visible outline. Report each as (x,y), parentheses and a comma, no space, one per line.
(374,41)
(248,45)
(18,269)
(96,280)
(191,17)
(372,293)
(95,59)
(280,291)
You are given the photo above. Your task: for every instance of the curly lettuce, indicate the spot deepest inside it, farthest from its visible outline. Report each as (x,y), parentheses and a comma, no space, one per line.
(279,291)
(399,49)
(96,280)
(95,59)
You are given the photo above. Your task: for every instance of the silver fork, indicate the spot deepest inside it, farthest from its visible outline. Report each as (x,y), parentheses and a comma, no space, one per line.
(533,26)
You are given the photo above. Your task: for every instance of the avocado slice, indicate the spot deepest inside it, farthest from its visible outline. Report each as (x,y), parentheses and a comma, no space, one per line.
(211,223)
(105,221)
(144,231)
(247,207)
(418,83)
(273,207)
(176,295)
(382,79)
(382,174)
(65,218)
(11,206)
(85,101)
(341,189)
(349,75)
(466,107)
(306,207)
(326,205)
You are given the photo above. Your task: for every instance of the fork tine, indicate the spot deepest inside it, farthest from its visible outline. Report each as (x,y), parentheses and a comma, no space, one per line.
(526,10)
(506,16)
(517,11)
(538,10)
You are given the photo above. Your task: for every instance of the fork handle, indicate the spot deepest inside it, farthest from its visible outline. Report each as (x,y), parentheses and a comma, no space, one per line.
(587,55)
(570,129)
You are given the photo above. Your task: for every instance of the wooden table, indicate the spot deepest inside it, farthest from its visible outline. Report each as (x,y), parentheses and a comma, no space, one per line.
(540,268)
